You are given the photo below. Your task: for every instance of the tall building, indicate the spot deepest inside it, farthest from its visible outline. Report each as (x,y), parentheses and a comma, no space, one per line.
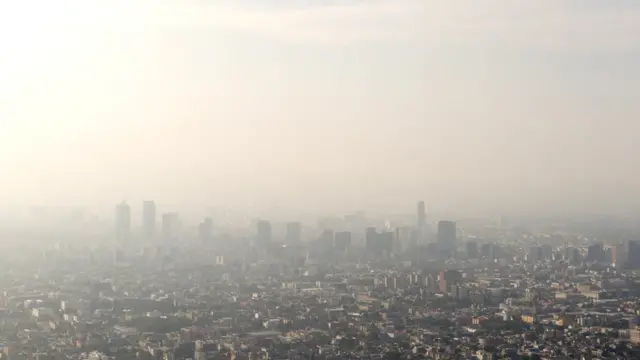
(619,255)
(546,252)
(149,218)
(379,243)
(495,251)
(485,251)
(634,254)
(205,230)
(342,240)
(595,252)
(414,239)
(387,239)
(170,223)
(293,233)
(535,254)
(447,235)
(371,239)
(634,331)
(325,242)
(327,237)
(572,255)
(263,235)
(123,221)
(448,278)
(472,249)
(401,242)
(422,219)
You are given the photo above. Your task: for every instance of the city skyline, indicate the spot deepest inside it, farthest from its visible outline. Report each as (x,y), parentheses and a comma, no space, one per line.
(338,179)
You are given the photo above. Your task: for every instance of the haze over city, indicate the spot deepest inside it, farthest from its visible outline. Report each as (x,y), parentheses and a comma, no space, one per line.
(325,180)
(483,107)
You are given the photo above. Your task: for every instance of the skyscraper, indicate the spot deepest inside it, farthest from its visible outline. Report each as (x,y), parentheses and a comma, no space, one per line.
(386,240)
(619,253)
(546,252)
(401,241)
(327,239)
(342,240)
(486,251)
(447,235)
(263,235)
(595,252)
(472,249)
(149,218)
(371,238)
(447,232)
(448,278)
(534,254)
(422,219)
(205,231)
(414,239)
(123,221)
(379,243)
(170,223)
(633,259)
(293,233)
(573,255)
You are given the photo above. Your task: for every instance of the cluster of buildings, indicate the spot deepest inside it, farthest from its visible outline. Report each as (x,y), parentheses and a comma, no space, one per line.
(387,291)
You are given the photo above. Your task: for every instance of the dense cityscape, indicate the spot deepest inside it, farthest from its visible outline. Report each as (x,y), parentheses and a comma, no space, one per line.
(351,287)
(319,180)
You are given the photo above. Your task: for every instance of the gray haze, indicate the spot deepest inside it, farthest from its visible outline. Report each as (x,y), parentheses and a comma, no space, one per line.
(487,106)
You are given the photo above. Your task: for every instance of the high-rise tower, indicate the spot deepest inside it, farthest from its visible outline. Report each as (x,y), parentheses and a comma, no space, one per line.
(263,235)
(170,224)
(149,219)
(633,257)
(123,221)
(293,233)
(205,231)
(447,235)
(422,219)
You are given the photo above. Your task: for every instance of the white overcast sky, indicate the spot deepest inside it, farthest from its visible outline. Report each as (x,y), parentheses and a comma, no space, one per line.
(487,106)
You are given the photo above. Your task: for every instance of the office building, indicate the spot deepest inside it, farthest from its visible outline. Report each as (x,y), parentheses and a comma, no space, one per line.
(572,255)
(263,233)
(490,251)
(472,250)
(486,251)
(401,241)
(324,245)
(327,237)
(149,219)
(448,278)
(495,251)
(422,220)
(205,231)
(634,331)
(414,239)
(123,221)
(633,260)
(371,235)
(595,252)
(170,224)
(619,255)
(379,244)
(447,236)
(546,252)
(387,239)
(293,233)
(534,254)
(342,240)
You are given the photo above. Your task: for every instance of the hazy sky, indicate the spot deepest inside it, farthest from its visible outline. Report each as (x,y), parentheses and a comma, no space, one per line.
(473,106)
